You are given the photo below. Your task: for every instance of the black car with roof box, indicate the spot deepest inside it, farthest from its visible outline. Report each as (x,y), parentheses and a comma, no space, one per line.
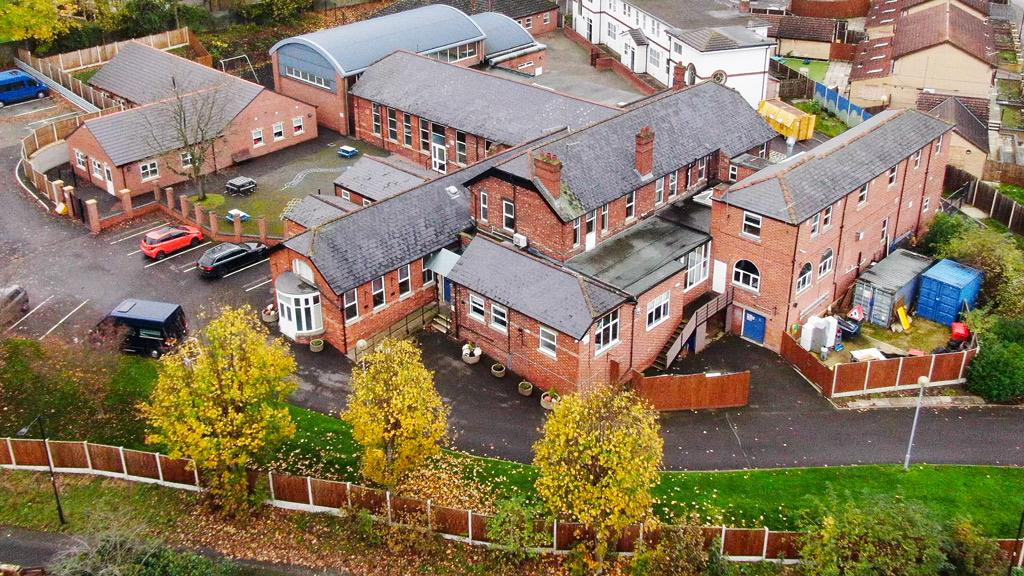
(152,328)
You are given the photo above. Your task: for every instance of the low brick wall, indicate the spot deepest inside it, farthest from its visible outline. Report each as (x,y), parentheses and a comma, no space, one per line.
(605,62)
(693,391)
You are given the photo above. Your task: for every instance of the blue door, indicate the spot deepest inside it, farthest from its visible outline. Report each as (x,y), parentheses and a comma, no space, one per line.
(753,326)
(447,291)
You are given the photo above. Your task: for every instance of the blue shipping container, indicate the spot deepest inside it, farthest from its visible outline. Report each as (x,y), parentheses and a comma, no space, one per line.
(945,288)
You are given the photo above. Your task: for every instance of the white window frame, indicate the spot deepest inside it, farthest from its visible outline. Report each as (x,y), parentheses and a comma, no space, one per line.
(753,221)
(659,191)
(576,231)
(747,280)
(303,270)
(257,137)
(393,125)
(153,169)
(298,125)
(404,275)
(862,195)
(476,302)
(484,208)
(631,205)
(383,292)
(894,175)
(673,184)
(81,160)
(804,278)
(345,194)
(917,159)
(97,168)
(186,159)
(547,17)
(604,218)
(407,137)
(353,303)
(547,336)
(276,129)
(938,144)
(815,225)
(734,172)
(698,265)
(926,203)
(826,262)
(885,230)
(499,311)
(461,149)
(826,219)
(528,22)
(658,310)
(375,120)
(609,323)
(702,168)
(506,214)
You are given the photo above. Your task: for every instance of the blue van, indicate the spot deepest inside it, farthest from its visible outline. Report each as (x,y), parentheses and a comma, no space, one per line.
(16,86)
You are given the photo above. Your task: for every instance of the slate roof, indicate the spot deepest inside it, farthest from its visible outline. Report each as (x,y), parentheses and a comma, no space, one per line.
(141,75)
(638,37)
(723,38)
(642,256)
(147,131)
(694,14)
(943,23)
(795,190)
(496,108)
(964,113)
(598,162)
(400,229)
(376,180)
(512,8)
(793,27)
(353,47)
(318,209)
(503,34)
(539,289)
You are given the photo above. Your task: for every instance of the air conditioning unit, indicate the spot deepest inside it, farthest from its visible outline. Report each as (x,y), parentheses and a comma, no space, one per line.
(519,240)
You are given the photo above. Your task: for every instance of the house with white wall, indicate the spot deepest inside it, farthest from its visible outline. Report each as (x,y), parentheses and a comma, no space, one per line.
(709,39)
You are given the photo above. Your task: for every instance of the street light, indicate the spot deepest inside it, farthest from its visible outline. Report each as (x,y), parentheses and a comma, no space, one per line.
(53,479)
(922,382)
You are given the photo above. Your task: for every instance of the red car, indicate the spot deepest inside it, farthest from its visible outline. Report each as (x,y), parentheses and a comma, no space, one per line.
(170,239)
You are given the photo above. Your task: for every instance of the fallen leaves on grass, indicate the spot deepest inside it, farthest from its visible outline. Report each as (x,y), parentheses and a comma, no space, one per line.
(444,483)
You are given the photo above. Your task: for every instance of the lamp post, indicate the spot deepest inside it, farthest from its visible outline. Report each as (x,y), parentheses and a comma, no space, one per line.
(922,382)
(49,463)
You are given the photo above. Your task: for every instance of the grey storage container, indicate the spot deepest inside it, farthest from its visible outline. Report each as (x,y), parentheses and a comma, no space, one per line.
(893,279)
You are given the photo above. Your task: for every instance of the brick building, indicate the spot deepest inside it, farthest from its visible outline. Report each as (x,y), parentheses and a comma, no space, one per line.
(138,149)
(793,237)
(442,116)
(536,16)
(321,67)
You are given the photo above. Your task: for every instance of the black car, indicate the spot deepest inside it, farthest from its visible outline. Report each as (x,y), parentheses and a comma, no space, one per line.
(152,328)
(228,257)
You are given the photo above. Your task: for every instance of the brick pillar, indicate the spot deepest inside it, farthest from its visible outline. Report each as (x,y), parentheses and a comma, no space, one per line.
(170,197)
(199,214)
(93,210)
(184,206)
(678,77)
(69,194)
(214,224)
(54,192)
(261,224)
(237,225)
(126,201)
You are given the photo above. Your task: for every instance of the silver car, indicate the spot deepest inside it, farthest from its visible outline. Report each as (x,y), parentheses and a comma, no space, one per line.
(13,304)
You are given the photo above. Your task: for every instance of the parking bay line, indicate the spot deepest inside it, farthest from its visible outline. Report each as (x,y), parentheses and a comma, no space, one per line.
(246,268)
(138,233)
(34,111)
(265,282)
(176,255)
(189,269)
(54,327)
(38,306)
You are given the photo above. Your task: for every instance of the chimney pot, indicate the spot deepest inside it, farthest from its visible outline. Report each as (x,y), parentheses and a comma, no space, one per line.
(678,77)
(645,151)
(547,169)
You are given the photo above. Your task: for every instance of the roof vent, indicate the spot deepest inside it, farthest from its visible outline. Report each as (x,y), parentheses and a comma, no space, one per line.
(452,191)
(703,198)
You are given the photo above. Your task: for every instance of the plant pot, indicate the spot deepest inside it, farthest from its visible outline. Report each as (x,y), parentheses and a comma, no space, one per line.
(316,345)
(470,358)
(525,388)
(549,400)
(269,316)
(498,370)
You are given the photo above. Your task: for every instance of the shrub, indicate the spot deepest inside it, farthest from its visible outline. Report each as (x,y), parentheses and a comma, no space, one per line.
(514,527)
(269,12)
(680,552)
(942,231)
(968,553)
(885,537)
(114,554)
(997,372)
(998,257)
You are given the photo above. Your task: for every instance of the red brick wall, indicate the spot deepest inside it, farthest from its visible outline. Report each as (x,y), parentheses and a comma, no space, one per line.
(330,303)
(527,64)
(855,238)
(353,197)
(537,24)
(330,108)
(362,110)
(647,344)
(830,8)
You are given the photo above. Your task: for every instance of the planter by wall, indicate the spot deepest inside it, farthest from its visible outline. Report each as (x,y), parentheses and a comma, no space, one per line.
(498,370)
(269,315)
(316,345)
(525,388)
(549,400)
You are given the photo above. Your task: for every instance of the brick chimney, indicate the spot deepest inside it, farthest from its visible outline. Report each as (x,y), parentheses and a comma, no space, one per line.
(547,168)
(645,151)
(745,6)
(719,191)
(678,77)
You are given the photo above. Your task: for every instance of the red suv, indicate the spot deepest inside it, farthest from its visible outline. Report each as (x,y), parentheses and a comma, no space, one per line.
(169,239)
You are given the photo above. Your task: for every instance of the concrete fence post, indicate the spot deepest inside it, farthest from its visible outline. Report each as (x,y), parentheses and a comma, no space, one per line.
(10,450)
(348,493)
(159,467)
(554,535)
(469,516)
(184,200)
(214,224)
(270,481)
(387,504)
(261,224)
(1013,209)
(124,464)
(236,224)
(126,201)
(88,457)
(430,516)
(93,213)
(309,490)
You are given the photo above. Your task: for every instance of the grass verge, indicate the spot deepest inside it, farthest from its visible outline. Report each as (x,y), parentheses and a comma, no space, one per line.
(826,122)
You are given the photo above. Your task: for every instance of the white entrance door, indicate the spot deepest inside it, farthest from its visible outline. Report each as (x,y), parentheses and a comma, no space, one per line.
(109,177)
(629,56)
(438,149)
(591,229)
(718,280)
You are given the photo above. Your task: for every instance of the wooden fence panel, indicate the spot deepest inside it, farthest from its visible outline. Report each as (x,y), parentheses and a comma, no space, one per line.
(807,363)
(569,534)
(141,464)
(68,454)
(947,366)
(290,488)
(913,368)
(409,511)
(330,494)
(5,454)
(449,520)
(479,527)
(370,499)
(783,545)
(693,391)
(850,377)
(883,373)
(628,540)
(744,541)
(29,452)
(106,458)
(177,470)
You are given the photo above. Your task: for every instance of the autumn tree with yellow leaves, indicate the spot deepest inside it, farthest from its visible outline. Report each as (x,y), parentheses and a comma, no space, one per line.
(396,414)
(41,20)
(220,402)
(598,460)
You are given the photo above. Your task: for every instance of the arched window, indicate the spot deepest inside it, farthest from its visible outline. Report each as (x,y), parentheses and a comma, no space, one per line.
(691,75)
(803,281)
(301,269)
(825,266)
(745,274)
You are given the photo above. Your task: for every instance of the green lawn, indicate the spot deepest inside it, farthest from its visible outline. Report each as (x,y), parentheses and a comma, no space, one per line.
(1012,118)
(826,122)
(1009,90)
(816,69)
(85,75)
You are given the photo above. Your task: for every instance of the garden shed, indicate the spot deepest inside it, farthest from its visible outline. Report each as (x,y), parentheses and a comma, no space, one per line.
(888,284)
(945,290)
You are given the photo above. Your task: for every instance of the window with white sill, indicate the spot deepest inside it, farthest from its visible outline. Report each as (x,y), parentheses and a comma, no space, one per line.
(404,281)
(606,333)
(746,275)
(548,341)
(803,280)
(698,264)
(476,307)
(351,305)
(751,225)
(499,318)
(380,298)
(658,310)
